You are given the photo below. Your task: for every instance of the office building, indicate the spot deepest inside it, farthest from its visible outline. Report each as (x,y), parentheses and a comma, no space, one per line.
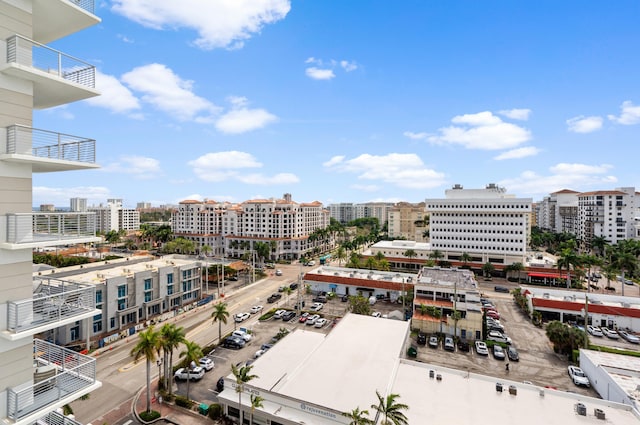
(38,376)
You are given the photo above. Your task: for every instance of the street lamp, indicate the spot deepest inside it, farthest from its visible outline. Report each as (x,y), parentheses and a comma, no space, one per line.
(159,363)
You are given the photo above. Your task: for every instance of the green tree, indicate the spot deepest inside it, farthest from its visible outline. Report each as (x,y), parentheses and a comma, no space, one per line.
(171,336)
(488,269)
(192,354)
(256,402)
(287,290)
(220,314)
(206,250)
(242,375)
(358,417)
(565,338)
(371,263)
(148,346)
(598,244)
(517,267)
(359,305)
(341,255)
(465,258)
(391,410)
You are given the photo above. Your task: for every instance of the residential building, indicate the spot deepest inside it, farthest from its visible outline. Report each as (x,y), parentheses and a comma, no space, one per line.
(47,208)
(346,212)
(37,376)
(115,217)
(488,223)
(78,204)
(372,359)
(408,221)
(342,212)
(232,229)
(143,205)
(558,212)
(441,295)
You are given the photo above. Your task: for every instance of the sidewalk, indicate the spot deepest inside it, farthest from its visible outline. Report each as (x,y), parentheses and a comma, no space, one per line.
(168,412)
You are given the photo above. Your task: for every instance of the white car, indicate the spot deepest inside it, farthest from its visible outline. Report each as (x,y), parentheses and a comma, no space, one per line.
(194,374)
(278,272)
(311,320)
(594,331)
(320,322)
(206,363)
(481,348)
(578,376)
(376,314)
(241,317)
(278,314)
(610,333)
(241,334)
(498,337)
(629,337)
(256,309)
(316,307)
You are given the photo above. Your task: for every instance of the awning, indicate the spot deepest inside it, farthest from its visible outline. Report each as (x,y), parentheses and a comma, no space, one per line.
(549,275)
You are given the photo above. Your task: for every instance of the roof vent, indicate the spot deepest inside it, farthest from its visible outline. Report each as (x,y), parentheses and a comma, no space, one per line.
(439,377)
(499,387)
(432,373)
(513,390)
(581,409)
(599,413)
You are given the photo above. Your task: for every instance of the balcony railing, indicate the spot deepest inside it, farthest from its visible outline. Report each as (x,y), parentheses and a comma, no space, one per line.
(39,227)
(88,5)
(54,301)
(58,373)
(26,52)
(48,144)
(55,418)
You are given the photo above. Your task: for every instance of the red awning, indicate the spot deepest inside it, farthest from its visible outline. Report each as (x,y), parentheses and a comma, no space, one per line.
(550,275)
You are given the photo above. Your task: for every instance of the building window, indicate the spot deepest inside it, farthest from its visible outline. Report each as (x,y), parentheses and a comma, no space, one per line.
(169,278)
(98,297)
(148,284)
(112,323)
(122,291)
(122,304)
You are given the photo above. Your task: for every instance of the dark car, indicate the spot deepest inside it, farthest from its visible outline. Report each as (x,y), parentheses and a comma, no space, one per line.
(512,353)
(501,289)
(345,298)
(234,278)
(220,384)
(320,299)
(274,297)
(463,346)
(233,342)
(293,286)
(288,315)
(422,338)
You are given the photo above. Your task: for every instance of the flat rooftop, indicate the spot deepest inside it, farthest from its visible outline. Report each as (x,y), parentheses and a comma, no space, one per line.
(623,370)
(362,274)
(577,297)
(461,278)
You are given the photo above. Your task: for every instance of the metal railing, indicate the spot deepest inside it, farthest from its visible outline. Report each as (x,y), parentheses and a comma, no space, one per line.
(57,373)
(48,144)
(46,227)
(26,52)
(55,418)
(54,301)
(88,5)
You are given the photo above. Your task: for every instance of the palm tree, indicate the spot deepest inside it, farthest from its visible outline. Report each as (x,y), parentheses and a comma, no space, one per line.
(436,255)
(488,269)
(192,353)
(171,336)
(625,261)
(242,375)
(391,410)
(598,244)
(567,259)
(206,249)
(410,253)
(220,314)
(370,263)
(358,417)
(465,258)
(148,346)
(256,402)
(517,267)
(341,254)
(287,290)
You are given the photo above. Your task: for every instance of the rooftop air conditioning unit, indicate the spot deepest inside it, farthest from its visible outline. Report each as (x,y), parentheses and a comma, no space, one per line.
(581,409)
(599,413)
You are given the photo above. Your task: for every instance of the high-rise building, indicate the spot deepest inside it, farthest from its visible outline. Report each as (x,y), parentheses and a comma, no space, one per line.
(37,376)
(346,212)
(408,221)
(78,204)
(115,217)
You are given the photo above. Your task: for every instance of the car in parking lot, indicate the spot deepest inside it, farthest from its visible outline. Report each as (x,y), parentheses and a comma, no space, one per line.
(278,314)
(578,376)
(293,286)
(610,333)
(421,338)
(233,342)
(463,346)
(320,299)
(241,317)
(241,334)
(256,309)
(311,320)
(498,337)
(448,344)
(513,355)
(316,306)
(206,363)
(303,317)
(184,373)
(220,384)
(288,315)
(595,331)
(481,348)
(278,272)
(629,337)
(344,298)
(320,322)
(501,289)
(493,314)
(498,352)
(376,314)
(273,298)
(433,341)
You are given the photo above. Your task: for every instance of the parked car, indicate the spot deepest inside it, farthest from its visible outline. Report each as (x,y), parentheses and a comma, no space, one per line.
(595,331)
(513,355)
(629,337)
(303,317)
(493,314)
(293,286)
(273,298)
(241,334)
(316,306)
(288,315)
(278,272)
(376,314)
(320,322)
(448,344)
(498,352)
(220,384)
(498,337)
(320,299)
(241,317)
(256,309)
(233,342)
(184,373)
(278,314)
(433,341)
(501,289)
(344,298)
(481,348)
(311,320)
(610,333)
(578,376)
(422,338)
(206,363)
(463,346)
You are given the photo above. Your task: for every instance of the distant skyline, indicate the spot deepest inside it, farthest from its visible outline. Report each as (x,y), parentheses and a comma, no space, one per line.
(354,101)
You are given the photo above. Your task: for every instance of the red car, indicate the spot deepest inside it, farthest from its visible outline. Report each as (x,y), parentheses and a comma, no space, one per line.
(303,318)
(493,314)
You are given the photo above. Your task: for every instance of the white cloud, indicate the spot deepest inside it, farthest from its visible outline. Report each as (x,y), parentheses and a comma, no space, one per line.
(482,130)
(348,66)
(221,166)
(219,23)
(563,175)
(415,136)
(319,74)
(334,161)
(60,196)
(582,124)
(402,170)
(124,38)
(629,114)
(114,96)
(243,120)
(140,167)
(166,91)
(516,114)
(518,153)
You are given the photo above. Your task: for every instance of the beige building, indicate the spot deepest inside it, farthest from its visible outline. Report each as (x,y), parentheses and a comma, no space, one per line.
(36,376)
(409,221)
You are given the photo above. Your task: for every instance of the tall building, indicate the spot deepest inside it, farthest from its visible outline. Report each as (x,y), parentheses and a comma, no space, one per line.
(38,376)
(114,216)
(488,224)
(558,212)
(408,221)
(78,204)
(346,212)
(232,229)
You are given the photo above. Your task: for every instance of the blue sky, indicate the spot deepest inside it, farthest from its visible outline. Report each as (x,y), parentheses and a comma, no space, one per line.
(352,101)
